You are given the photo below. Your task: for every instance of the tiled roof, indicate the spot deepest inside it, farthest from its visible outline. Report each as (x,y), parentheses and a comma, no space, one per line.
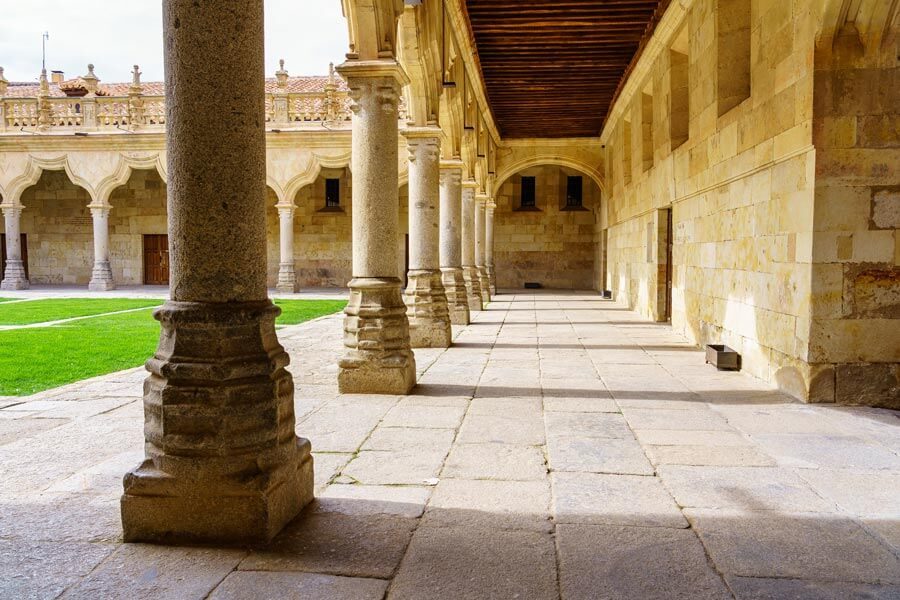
(295,85)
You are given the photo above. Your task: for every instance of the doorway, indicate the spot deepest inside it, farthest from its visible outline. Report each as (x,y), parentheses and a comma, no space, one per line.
(156,259)
(664,272)
(23,245)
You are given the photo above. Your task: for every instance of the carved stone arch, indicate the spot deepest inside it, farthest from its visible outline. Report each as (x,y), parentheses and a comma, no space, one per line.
(511,169)
(372,26)
(126,164)
(28,172)
(415,56)
(875,22)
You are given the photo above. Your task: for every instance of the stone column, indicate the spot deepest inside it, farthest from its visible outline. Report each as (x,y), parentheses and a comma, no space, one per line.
(451,242)
(223,463)
(480,204)
(14,273)
(470,271)
(429,317)
(378,359)
(287,278)
(489,247)
(101,275)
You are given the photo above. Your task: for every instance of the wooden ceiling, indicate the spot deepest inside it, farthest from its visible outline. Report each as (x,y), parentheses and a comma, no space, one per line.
(552,68)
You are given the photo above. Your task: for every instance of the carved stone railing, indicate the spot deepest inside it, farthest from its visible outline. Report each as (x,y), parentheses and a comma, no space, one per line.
(136,112)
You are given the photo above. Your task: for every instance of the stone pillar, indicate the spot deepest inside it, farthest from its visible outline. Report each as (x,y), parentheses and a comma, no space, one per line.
(223,463)
(426,302)
(101,275)
(451,242)
(481,267)
(470,271)
(14,273)
(489,247)
(378,359)
(287,278)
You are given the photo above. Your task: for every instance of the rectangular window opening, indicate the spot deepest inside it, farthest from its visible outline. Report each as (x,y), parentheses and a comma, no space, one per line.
(646,131)
(626,152)
(527,199)
(573,192)
(733,46)
(679,97)
(332,193)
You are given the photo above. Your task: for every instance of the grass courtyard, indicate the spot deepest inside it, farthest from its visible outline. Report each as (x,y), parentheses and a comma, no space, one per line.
(105,335)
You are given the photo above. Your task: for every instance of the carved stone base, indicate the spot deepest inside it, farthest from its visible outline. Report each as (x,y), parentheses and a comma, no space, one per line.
(101,278)
(224,464)
(427,311)
(492,279)
(473,288)
(14,276)
(376,334)
(287,279)
(457,298)
(485,282)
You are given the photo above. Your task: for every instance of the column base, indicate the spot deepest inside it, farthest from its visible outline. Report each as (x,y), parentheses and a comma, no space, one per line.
(492,280)
(224,464)
(376,334)
(287,279)
(101,278)
(485,282)
(14,277)
(427,311)
(457,299)
(473,288)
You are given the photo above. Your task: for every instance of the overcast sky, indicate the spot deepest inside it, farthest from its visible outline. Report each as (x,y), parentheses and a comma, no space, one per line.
(114,35)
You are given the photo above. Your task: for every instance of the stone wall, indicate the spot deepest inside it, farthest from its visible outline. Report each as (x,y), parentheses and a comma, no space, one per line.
(551,246)
(138,209)
(59,229)
(740,187)
(855,326)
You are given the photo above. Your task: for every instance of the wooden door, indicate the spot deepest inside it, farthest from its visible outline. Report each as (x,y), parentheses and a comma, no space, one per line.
(668,264)
(156,259)
(24,250)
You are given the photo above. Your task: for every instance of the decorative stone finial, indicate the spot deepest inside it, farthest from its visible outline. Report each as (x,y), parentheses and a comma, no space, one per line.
(91,81)
(3,83)
(44,84)
(281,76)
(136,87)
(330,86)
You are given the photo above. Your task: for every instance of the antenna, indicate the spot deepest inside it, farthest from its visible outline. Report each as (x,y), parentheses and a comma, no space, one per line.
(44,37)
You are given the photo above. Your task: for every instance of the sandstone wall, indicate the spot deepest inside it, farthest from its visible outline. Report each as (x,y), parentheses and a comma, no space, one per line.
(740,187)
(59,230)
(551,246)
(138,209)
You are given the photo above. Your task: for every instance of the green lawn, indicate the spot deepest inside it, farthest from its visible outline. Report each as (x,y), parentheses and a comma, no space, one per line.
(6,299)
(40,358)
(42,311)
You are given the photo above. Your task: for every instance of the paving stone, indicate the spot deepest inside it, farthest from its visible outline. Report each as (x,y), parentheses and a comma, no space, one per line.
(626,563)
(502,407)
(434,417)
(408,467)
(804,545)
(886,529)
(17,429)
(669,437)
(297,586)
(606,405)
(613,500)
(457,401)
(757,588)
(669,419)
(597,455)
(37,570)
(588,425)
(737,456)
(778,418)
(399,439)
(326,465)
(828,451)
(477,429)
(158,572)
(336,544)
(490,504)
(401,501)
(60,517)
(468,562)
(750,488)
(340,428)
(866,494)
(495,461)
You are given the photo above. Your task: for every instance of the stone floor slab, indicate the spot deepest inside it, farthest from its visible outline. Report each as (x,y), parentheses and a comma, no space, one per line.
(627,563)
(495,461)
(37,570)
(490,504)
(757,588)
(297,586)
(597,455)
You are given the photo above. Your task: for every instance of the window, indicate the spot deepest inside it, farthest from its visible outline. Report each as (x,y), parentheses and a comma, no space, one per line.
(332,193)
(573,192)
(647,131)
(626,152)
(733,67)
(679,93)
(528,199)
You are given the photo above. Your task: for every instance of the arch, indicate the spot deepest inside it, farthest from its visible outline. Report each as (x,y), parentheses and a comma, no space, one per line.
(509,170)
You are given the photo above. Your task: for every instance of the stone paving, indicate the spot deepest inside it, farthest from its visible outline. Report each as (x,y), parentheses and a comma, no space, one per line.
(562,448)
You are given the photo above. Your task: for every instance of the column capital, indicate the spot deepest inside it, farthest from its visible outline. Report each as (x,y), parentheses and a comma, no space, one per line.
(286,209)
(366,69)
(482,199)
(12,210)
(99,210)
(423,134)
(452,164)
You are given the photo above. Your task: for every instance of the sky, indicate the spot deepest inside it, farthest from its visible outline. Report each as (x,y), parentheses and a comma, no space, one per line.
(114,35)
